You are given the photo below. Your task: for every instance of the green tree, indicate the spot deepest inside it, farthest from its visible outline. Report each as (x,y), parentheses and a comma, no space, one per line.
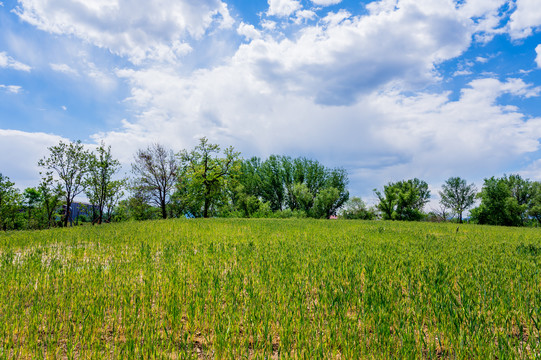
(458,195)
(324,203)
(69,161)
(101,187)
(156,171)
(403,200)
(205,174)
(355,208)
(504,201)
(271,186)
(51,196)
(32,201)
(9,201)
(10,204)
(534,209)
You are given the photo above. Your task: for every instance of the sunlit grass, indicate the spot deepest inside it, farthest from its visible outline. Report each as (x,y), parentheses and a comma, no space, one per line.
(271,288)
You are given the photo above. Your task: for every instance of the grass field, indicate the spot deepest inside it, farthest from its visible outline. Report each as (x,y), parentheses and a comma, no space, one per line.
(271,289)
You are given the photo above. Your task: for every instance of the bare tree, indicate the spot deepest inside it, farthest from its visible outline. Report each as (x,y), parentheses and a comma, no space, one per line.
(156,171)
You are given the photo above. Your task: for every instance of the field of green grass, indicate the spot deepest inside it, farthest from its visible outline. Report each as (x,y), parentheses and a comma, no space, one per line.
(236,289)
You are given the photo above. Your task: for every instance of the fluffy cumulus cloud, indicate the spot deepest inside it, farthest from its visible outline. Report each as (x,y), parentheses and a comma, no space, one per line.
(384,136)
(141,30)
(344,56)
(350,90)
(10,63)
(342,85)
(25,150)
(282,8)
(326,2)
(248,31)
(538,57)
(525,19)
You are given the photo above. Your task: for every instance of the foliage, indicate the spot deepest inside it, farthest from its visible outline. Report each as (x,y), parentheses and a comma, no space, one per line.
(69,161)
(299,184)
(156,171)
(534,209)
(10,203)
(102,190)
(355,208)
(505,201)
(458,195)
(51,196)
(205,175)
(403,200)
(135,208)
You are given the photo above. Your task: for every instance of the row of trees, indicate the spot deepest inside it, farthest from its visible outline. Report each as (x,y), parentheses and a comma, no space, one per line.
(69,171)
(201,182)
(509,201)
(207,181)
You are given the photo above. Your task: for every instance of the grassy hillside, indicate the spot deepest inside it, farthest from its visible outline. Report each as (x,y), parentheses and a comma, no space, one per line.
(271,288)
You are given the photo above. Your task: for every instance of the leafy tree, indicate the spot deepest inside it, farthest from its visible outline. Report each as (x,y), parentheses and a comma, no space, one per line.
(101,188)
(403,200)
(32,199)
(205,174)
(504,201)
(115,194)
(69,161)
(355,208)
(300,197)
(535,202)
(10,203)
(156,171)
(271,182)
(51,196)
(136,208)
(294,184)
(324,203)
(458,195)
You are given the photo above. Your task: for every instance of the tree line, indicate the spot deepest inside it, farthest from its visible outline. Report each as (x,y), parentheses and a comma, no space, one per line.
(207,181)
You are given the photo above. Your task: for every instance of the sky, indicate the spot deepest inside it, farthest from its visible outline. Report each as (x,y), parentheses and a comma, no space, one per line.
(389,90)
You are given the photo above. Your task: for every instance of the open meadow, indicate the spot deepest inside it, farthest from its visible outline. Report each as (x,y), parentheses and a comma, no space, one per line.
(309,289)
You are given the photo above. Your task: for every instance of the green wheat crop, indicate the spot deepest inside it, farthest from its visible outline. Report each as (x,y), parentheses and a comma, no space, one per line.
(262,289)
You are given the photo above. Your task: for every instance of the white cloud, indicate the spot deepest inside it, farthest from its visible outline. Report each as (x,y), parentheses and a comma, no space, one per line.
(302,15)
(14,89)
(25,150)
(283,8)
(326,2)
(462,73)
(383,135)
(10,63)
(345,56)
(248,31)
(538,57)
(482,60)
(65,69)
(138,29)
(525,19)
(64,108)
(268,25)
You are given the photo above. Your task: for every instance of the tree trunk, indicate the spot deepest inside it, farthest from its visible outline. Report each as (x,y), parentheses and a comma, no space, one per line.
(164,209)
(67,215)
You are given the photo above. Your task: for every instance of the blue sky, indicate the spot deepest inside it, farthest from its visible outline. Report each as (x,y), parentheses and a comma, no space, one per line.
(389,89)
